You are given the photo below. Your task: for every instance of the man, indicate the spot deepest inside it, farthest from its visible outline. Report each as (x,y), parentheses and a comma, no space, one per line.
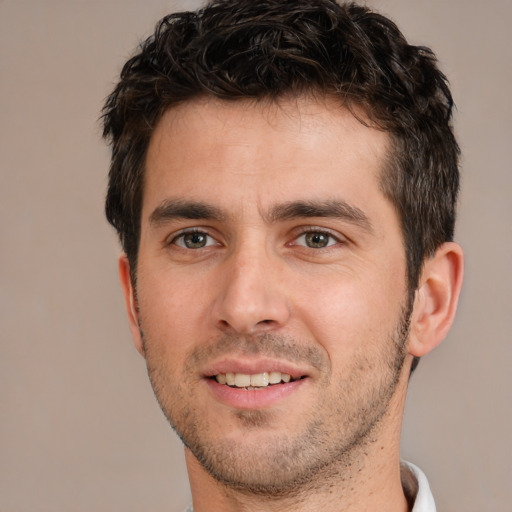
(283,181)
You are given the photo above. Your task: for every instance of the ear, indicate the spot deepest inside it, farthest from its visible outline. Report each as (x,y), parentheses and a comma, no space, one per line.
(130,302)
(436,299)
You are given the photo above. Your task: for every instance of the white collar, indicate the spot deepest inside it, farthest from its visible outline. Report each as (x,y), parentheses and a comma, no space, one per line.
(424,501)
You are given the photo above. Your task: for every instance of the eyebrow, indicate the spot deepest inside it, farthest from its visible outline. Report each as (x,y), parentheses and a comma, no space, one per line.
(172,209)
(325,209)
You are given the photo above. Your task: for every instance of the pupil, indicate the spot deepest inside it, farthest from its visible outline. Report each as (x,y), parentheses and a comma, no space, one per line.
(195,240)
(316,240)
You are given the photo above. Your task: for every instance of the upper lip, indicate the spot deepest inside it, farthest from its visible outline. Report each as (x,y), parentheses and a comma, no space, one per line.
(252,367)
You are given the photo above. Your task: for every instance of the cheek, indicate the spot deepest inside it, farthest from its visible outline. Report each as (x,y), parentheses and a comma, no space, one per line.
(171,312)
(350,310)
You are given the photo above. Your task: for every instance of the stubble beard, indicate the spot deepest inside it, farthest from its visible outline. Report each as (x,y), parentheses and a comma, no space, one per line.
(331,443)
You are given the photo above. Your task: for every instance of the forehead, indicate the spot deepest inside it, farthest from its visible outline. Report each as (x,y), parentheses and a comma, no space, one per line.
(248,152)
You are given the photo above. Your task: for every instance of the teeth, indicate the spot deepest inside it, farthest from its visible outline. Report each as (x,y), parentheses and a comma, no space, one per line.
(274,377)
(242,380)
(258,380)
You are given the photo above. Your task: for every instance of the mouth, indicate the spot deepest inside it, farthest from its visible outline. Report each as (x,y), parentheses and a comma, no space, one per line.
(256,381)
(251,385)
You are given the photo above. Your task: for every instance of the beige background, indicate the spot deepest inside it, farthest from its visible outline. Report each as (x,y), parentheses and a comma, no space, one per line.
(80,429)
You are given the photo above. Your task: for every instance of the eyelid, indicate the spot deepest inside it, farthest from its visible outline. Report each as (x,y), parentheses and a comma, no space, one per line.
(302,231)
(171,239)
(338,237)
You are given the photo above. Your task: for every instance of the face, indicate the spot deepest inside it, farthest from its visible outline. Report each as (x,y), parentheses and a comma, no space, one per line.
(271,287)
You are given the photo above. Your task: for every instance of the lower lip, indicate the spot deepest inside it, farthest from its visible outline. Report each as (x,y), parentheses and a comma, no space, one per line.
(241,398)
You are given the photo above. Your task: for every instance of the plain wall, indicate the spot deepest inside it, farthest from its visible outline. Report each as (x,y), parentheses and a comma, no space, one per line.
(80,429)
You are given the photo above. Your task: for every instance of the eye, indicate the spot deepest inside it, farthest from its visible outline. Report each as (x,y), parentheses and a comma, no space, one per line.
(316,239)
(194,240)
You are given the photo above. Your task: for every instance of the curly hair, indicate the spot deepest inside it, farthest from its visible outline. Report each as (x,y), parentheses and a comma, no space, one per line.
(239,49)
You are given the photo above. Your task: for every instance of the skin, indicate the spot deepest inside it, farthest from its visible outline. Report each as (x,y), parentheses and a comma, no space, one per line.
(253,289)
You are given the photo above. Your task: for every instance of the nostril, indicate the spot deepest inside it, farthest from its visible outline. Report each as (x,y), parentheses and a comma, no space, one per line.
(264,324)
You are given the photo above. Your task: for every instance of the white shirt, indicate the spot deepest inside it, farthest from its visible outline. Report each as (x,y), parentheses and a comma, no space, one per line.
(424,501)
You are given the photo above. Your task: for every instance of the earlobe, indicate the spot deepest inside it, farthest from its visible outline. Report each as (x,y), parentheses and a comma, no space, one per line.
(130,301)
(436,299)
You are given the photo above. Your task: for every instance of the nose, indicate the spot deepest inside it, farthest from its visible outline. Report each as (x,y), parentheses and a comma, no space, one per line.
(251,298)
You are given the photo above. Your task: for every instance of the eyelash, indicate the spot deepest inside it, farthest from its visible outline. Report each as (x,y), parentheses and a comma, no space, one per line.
(332,239)
(193,231)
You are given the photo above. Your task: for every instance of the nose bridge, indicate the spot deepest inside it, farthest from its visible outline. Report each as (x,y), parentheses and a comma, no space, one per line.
(251,299)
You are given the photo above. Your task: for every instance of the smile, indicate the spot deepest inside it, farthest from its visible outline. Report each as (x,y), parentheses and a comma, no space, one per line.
(246,383)
(254,381)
